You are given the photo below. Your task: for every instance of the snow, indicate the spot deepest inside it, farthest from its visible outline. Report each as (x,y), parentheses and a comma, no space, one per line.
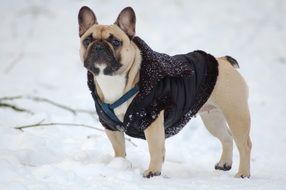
(39,56)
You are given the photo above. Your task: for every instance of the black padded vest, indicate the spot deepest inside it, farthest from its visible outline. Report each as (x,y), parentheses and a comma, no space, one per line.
(179,84)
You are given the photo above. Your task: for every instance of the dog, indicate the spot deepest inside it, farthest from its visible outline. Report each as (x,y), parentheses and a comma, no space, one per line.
(119,67)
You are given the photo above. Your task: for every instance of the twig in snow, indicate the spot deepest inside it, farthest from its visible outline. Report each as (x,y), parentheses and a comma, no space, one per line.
(40,99)
(15,108)
(10,98)
(41,124)
(64,107)
(51,102)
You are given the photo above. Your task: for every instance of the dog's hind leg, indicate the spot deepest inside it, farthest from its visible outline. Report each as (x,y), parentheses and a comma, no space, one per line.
(215,123)
(230,95)
(239,124)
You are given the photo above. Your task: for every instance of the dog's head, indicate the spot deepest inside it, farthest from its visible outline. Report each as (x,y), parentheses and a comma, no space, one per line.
(107,49)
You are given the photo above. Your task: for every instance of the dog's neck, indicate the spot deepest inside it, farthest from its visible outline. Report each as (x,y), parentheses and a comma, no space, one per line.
(111,88)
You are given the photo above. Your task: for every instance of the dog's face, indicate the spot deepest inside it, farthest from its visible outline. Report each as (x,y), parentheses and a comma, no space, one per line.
(107,49)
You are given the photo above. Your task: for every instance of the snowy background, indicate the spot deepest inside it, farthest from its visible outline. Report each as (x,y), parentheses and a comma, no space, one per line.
(39,56)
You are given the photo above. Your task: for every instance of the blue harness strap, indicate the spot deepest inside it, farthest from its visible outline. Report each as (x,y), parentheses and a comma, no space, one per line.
(109,108)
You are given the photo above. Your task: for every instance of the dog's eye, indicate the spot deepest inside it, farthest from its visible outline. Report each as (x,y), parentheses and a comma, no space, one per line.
(116,42)
(87,41)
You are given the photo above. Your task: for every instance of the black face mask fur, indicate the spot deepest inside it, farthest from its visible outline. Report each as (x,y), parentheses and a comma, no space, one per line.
(179,84)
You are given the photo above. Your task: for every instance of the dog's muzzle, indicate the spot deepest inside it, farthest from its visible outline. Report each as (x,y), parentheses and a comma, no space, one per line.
(100,54)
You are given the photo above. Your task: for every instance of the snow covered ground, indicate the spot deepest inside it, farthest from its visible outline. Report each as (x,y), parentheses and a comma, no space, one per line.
(39,57)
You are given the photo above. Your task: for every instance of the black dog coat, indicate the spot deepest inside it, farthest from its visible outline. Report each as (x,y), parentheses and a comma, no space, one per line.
(179,85)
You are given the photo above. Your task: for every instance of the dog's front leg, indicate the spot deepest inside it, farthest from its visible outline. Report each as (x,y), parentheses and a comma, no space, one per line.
(155,136)
(118,142)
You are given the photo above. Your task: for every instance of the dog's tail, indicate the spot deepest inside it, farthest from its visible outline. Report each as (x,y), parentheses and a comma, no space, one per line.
(231,60)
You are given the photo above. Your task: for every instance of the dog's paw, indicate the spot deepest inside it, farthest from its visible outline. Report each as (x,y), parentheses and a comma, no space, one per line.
(223,166)
(149,173)
(242,175)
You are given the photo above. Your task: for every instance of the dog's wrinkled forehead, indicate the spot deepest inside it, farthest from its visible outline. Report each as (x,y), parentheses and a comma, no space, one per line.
(103,32)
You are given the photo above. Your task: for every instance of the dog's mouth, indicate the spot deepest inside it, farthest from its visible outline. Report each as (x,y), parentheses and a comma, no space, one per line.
(100,60)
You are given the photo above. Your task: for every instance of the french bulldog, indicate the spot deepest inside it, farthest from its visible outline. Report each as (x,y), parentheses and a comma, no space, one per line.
(117,61)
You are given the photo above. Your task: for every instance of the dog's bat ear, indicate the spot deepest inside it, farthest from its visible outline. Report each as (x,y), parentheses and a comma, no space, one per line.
(126,20)
(86,18)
